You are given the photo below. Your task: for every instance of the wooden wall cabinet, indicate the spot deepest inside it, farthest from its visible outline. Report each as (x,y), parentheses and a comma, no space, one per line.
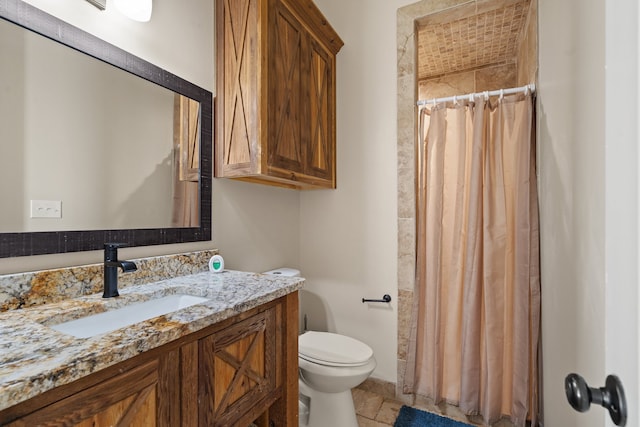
(240,371)
(276,72)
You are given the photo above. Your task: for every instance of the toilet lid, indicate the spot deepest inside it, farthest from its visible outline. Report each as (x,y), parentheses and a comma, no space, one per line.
(333,348)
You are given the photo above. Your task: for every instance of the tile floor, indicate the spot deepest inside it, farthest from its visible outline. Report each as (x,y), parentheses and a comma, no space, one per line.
(373,410)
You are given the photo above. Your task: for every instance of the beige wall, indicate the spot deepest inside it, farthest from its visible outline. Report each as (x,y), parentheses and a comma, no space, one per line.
(571,178)
(588,151)
(255,227)
(348,237)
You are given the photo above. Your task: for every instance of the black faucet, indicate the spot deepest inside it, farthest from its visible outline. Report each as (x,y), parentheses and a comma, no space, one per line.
(111,265)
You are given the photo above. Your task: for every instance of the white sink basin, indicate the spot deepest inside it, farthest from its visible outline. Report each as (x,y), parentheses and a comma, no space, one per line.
(115,319)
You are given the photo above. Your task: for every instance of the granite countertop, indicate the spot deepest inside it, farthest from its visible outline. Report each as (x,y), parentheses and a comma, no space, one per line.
(35,358)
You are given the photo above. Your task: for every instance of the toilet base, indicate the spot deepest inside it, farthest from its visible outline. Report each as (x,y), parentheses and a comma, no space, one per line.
(329,409)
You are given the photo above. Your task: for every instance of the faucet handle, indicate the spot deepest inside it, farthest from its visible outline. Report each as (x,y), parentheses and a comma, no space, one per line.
(111,251)
(115,245)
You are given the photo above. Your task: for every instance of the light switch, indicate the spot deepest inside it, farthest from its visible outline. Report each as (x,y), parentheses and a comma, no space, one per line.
(46,209)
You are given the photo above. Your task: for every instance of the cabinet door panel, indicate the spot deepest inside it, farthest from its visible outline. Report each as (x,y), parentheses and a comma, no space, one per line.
(125,400)
(321,152)
(240,85)
(285,121)
(237,369)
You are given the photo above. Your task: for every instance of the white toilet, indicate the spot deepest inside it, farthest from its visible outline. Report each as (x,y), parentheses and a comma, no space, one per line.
(330,365)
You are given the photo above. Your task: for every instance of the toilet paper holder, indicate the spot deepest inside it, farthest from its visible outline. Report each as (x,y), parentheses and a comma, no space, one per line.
(385,298)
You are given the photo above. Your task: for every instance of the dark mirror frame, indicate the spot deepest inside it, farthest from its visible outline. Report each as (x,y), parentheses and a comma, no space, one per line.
(38,243)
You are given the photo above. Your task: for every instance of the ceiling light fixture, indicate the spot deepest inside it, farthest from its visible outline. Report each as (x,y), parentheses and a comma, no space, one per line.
(138,10)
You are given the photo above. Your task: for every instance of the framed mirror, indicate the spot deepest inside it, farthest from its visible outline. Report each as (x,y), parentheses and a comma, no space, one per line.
(96,144)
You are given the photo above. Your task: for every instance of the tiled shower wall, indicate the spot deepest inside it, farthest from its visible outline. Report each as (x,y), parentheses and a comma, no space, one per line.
(527,61)
(519,71)
(522,71)
(487,78)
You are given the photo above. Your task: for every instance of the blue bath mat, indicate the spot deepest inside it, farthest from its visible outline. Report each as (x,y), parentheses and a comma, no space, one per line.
(411,417)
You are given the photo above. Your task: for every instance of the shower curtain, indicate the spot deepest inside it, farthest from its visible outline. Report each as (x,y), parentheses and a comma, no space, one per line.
(476,312)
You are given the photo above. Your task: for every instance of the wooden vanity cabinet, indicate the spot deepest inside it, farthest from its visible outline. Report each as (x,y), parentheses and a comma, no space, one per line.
(275,114)
(233,373)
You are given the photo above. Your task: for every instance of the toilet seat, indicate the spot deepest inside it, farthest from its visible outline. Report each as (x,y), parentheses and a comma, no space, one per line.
(333,364)
(329,349)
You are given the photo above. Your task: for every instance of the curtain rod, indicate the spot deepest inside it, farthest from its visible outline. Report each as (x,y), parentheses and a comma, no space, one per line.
(528,88)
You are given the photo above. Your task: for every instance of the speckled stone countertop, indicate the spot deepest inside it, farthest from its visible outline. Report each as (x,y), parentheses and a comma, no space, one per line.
(35,358)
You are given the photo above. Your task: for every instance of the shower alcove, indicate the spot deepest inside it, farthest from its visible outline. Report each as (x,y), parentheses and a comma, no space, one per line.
(447,48)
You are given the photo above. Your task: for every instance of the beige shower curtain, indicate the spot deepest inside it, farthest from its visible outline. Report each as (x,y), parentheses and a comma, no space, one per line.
(474,335)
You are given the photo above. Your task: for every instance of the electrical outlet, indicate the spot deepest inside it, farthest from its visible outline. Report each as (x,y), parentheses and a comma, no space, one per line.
(46,209)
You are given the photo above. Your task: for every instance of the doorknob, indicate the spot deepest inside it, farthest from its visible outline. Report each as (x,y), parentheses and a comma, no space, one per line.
(611,396)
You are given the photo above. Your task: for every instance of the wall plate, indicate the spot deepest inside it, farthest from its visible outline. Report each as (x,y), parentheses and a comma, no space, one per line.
(46,208)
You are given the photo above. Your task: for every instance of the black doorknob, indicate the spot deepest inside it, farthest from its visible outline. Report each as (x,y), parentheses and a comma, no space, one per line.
(611,396)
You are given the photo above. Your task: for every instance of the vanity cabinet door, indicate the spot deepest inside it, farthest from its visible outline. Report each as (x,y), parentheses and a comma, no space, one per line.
(128,399)
(237,371)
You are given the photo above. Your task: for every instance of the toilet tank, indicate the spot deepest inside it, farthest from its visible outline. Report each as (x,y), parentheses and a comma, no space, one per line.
(284,271)
(292,272)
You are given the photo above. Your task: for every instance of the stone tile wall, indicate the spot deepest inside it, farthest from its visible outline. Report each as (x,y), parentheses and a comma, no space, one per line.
(486,78)
(474,35)
(528,50)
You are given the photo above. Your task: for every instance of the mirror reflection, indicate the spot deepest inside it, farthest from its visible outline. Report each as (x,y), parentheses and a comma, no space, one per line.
(86,146)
